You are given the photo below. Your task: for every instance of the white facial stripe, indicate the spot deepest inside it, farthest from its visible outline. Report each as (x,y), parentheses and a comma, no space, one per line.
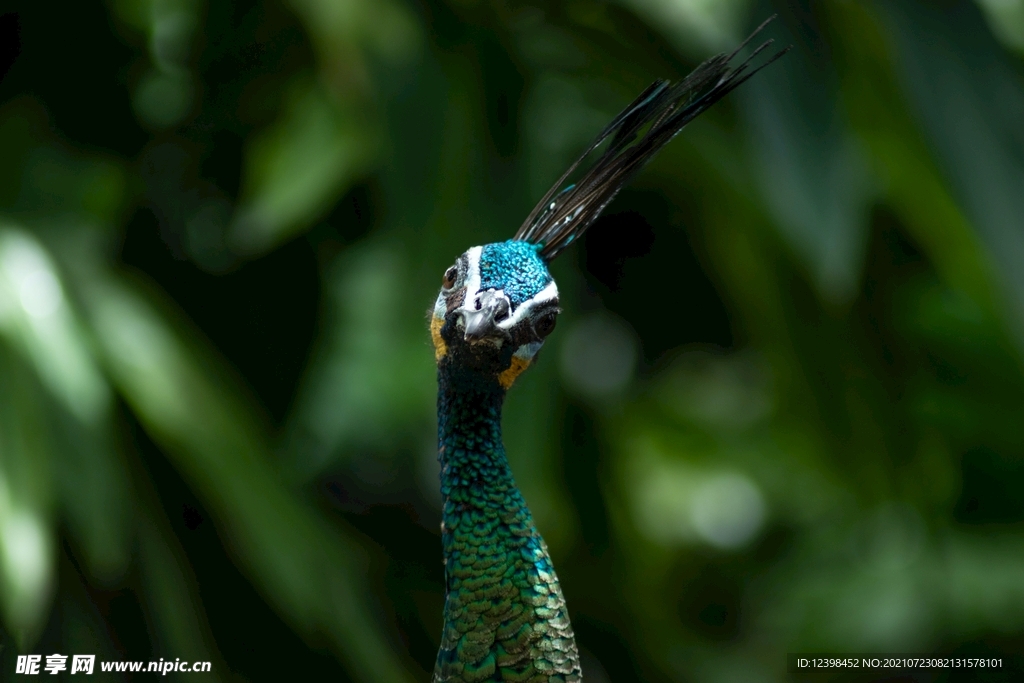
(473,272)
(440,306)
(472,279)
(546,295)
(471,282)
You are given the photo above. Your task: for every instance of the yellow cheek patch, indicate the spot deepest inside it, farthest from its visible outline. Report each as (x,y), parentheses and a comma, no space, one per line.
(440,348)
(508,376)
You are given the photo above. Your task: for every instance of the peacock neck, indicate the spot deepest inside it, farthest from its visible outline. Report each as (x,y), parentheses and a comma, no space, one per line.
(470,450)
(505,618)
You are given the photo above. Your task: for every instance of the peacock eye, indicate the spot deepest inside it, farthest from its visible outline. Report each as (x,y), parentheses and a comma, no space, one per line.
(449,277)
(545,324)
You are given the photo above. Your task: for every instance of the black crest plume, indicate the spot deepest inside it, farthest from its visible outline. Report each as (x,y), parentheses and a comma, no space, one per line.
(566,212)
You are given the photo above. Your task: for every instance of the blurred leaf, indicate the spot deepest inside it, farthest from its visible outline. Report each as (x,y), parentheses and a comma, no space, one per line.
(84,630)
(164,95)
(912,183)
(341,31)
(163,99)
(167,24)
(970,104)
(812,173)
(309,572)
(984,588)
(95,496)
(879,583)
(43,181)
(868,586)
(561,119)
(170,593)
(27,538)
(327,134)
(300,166)
(373,382)
(35,317)
(713,25)
(1006,18)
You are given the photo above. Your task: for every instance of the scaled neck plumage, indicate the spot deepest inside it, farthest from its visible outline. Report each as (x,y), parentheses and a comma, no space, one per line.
(505,617)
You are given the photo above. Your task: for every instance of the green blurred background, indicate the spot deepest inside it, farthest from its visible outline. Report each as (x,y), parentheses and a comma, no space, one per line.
(783,410)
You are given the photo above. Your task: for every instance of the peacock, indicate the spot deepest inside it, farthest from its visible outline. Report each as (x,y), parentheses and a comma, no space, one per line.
(504,615)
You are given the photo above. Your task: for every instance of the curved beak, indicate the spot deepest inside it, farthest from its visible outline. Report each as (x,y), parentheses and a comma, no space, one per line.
(481,315)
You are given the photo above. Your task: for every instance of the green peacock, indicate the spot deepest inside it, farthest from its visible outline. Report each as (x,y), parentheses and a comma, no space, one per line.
(504,616)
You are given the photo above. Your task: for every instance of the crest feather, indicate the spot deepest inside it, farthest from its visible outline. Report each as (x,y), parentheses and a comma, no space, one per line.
(566,212)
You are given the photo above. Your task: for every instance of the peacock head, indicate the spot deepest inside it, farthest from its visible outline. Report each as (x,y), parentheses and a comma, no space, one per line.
(498,302)
(497,305)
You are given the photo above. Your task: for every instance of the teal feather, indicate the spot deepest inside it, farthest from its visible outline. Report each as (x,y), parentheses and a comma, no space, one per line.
(504,618)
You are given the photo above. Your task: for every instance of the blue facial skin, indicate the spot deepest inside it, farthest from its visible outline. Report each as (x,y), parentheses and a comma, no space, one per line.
(515,267)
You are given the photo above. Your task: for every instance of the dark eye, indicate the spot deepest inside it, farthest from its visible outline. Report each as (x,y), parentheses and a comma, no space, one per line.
(544,325)
(449,277)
